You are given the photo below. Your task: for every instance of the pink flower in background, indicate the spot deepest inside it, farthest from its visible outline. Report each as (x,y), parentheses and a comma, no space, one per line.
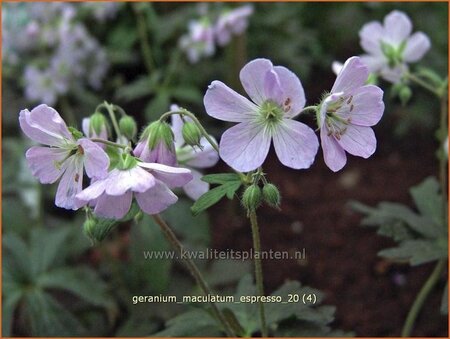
(162,153)
(278,97)
(347,113)
(232,22)
(65,157)
(149,183)
(390,46)
(191,158)
(199,42)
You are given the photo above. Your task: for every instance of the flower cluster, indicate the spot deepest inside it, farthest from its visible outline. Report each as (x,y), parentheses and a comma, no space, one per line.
(115,177)
(62,55)
(344,117)
(205,33)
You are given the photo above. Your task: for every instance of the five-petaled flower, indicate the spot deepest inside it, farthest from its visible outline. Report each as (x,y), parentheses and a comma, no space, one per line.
(149,183)
(278,97)
(347,113)
(391,46)
(65,157)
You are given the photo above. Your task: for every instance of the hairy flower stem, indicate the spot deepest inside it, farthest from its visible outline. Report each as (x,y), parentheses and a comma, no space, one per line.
(143,36)
(109,143)
(421,297)
(195,120)
(441,94)
(423,84)
(110,109)
(258,269)
(172,238)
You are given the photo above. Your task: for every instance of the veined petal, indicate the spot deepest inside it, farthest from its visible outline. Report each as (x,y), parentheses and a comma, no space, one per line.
(171,176)
(46,163)
(96,161)
(416,47)
(44,125)
(204,158)
(195,188)
(354,74)
(245,146)
(333,154)
(135,179)
(156,199)
(397,26)
(253,77)
(367,106)
(293,94)
(114,207)
(272,87)
(359,141)
(71,183)
(370,36)
(222,103)
(295,144)
(90,193)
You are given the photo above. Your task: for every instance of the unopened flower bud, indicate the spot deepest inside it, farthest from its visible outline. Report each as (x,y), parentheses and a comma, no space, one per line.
(158,132)
(128,127)
(405,95)
(251,199)
(191,134)
(97,229)
(271,195)
(97,124)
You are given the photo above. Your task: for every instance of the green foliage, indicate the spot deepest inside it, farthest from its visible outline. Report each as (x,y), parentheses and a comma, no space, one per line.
(34,269)
(243,316)
(229,183)
(422,236)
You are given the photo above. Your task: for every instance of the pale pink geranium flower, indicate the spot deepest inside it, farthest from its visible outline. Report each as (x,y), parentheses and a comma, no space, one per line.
(278,97)
(65,157)
(390,46)
(149,183)
(203,157)
(347,113)
(232,22)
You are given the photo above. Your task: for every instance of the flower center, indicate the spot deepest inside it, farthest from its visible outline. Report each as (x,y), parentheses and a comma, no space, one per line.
(270,112)
(337,122)
(394,54)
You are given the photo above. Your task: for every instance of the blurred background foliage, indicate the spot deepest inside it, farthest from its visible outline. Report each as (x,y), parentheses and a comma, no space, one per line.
(54,281)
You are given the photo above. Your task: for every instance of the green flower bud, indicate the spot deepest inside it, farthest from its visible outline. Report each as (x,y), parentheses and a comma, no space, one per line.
(405,95)
(98,123)
(271,195)
(96,229)
(156,132)
(128,127)
(251,199)
(191,134)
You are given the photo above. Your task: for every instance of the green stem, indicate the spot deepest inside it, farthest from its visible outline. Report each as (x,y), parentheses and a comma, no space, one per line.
(172,238)
(109,143)
(421,297)
(196,121)
(258,269)
(112,116)
(424,84)
(309,108)
(143,36)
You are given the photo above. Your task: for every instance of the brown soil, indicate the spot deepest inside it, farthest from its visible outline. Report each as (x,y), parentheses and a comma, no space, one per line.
(372,295)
